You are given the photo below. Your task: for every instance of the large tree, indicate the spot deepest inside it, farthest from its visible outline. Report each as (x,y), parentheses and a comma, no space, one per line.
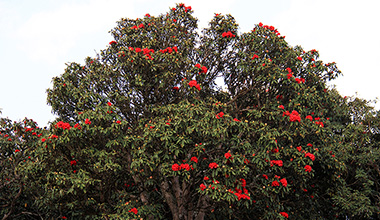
(145,131)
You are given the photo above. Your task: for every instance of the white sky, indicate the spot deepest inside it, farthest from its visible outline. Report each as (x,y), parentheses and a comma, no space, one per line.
(38,37)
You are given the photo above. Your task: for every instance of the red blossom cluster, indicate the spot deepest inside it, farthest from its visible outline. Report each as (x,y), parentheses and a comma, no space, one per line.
(203,68)
(219,115)
(213,165)
(228,34)
(310,155)
(87,121)
(194,159)
(300,80)
(169,50)
(309,117)
(228,155)
(195,84)
(77,126)
(255,56)
(241,194)
(113,42)
(184,166)
(270,28)
(63,125)
(276,162)
(133,210)
(294,116)
(137,27)
(284,214)
(318,122)
(202,186)
(307,168)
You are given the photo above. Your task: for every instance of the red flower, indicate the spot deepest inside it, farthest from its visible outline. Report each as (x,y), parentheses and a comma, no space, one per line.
(294,116)
(255,56)
(206,178)
(235,119)
(147,15)
(281,107)
(204,69)
(228,34)
(299,58)
(43,139)
(17,150)
(134,27)
(227,155)
(310,155)
(284,182)
(307,168)
(277,162)
(175,167)
(279,97)
(284,214)
(193,83)
(289,75)
(194,159)
(309,117)
(73,162)
(275,183)
(309,145)
(219,115)
(289,70)
(87,121)
(141,26)
(202,186)
(187,9)
(109,103)
(198,87)
(260,24)
(175,88)
(64,217)
(77,126)
(112,42)
(198,65)
(185,166)
(213,165)
(118,121)
(265,176)
(138,50)
(175,49)
(134,210)
(63,125)
(299,148)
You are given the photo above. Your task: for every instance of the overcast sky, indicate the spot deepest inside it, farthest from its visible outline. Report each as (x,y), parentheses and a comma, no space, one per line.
(38,37)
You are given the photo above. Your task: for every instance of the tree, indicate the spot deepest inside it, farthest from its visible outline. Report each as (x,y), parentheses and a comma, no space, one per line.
(144,131)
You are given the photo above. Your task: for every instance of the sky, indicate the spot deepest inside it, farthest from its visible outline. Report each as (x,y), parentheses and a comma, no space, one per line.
(37,39)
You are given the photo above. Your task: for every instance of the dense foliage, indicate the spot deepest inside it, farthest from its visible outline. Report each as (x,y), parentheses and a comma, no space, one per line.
(144,132)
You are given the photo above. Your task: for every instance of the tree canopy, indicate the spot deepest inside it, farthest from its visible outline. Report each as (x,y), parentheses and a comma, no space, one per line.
(145,131)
